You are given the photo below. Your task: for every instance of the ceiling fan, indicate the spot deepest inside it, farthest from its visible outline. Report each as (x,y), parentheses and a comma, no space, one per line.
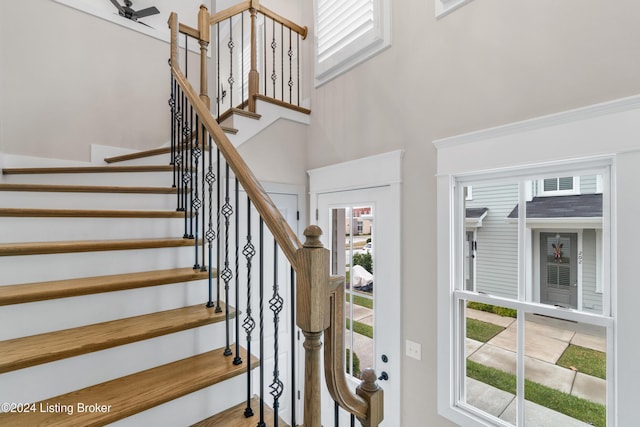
(131,14)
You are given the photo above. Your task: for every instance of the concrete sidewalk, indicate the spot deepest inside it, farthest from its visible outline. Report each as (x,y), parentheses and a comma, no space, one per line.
(545,341)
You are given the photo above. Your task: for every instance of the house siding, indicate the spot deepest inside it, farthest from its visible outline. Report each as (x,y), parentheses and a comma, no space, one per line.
(497,252)
(591,300)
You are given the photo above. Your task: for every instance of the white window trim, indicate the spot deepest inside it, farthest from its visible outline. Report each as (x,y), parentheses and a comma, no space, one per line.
(445,7)
(363,48)
(574,191)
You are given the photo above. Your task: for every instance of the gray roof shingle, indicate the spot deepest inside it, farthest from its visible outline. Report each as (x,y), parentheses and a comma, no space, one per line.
(577,206)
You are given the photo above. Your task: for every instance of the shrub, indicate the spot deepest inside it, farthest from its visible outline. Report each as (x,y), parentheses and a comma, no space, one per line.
(502,311)
(356,364)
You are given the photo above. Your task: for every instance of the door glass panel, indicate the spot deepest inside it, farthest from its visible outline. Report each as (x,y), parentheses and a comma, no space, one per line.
(352,254)
(565,372)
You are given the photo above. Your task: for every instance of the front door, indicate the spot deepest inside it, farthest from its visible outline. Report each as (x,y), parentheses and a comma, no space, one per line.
(559,269)
(361,228)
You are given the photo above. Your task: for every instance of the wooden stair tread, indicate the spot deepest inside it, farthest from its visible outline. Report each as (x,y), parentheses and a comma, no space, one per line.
(231,111)
(234,417)
(282,103)
(87,213)
(41,248)
(33,350)
(40,291)
(156,151)
(135,393)
(88,169)
(86,189)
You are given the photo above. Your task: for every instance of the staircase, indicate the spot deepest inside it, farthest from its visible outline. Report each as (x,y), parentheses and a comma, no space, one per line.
(103,313)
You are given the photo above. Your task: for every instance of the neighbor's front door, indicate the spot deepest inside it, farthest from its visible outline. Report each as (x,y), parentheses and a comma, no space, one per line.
(559,269)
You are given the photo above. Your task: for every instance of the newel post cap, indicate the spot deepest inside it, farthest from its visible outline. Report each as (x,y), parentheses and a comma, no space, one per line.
(313,233)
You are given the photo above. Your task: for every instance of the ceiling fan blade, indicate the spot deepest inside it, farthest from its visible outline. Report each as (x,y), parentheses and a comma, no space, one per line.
(147,12)
(118,5)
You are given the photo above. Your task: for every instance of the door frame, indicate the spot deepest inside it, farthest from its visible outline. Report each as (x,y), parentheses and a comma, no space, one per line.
(380,173)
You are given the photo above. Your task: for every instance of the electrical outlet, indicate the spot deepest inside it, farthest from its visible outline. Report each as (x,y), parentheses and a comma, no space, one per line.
(413,350)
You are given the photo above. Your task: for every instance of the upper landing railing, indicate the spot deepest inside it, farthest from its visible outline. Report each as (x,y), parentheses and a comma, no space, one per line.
(210,176)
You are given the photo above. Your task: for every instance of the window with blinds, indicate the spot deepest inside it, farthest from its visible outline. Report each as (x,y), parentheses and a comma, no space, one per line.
(559,186)
(348,33)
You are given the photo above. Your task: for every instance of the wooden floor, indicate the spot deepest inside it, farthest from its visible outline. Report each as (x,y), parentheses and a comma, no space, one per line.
(234,417)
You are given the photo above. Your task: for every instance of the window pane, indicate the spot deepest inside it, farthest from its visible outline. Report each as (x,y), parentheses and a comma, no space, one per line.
(490,355)
(352,256)
(551,184)
(491,227)
(565,372)
(565,183)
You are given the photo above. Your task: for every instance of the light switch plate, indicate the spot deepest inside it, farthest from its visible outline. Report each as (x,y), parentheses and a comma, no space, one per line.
(413,350)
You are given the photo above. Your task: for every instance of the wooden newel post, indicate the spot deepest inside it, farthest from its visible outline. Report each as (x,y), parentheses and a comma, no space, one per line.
(312,305)
(374,396)
(254,76)
(204,28)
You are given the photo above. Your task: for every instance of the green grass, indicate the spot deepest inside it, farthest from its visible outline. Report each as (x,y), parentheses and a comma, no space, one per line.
(482,331)
(362,301)
(360,328)
(585,360)
(502,311)
(575,407)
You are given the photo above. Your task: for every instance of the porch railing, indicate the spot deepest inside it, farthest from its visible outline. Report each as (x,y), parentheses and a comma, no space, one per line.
(225,207)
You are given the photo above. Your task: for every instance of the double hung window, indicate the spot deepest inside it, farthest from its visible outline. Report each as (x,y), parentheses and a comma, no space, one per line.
(532,340)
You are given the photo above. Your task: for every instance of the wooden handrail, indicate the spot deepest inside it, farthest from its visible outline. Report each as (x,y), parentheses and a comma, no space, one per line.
(254,4)
(275,222)
(366,403)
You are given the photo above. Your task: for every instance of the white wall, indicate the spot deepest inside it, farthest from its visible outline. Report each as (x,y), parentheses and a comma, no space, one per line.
(70,79)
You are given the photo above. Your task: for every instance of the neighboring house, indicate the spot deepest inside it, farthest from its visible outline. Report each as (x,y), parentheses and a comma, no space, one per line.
(564,244)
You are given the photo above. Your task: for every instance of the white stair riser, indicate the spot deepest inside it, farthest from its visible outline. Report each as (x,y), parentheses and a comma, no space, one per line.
(106,178)
(115,201)
(193,407)
(63,376)
(38,268)
(24,229)
(51,315)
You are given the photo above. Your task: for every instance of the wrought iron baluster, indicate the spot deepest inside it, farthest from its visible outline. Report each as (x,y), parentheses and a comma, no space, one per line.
(249,323)
(227,274)
(290,83)
(219,97)
(274,45)
(281,63)
(292,326)
(298,66)
(218,308)
(336,414)
(191,165)
(237,359)
(172,109)
(210,234)
(264,48)
(275,304)
(196,203)
(353,420)
(184,149)
(242,74)
(261,423)
(230,45)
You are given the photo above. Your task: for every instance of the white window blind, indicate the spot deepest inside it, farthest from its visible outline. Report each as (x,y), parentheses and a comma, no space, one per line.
(348,33)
